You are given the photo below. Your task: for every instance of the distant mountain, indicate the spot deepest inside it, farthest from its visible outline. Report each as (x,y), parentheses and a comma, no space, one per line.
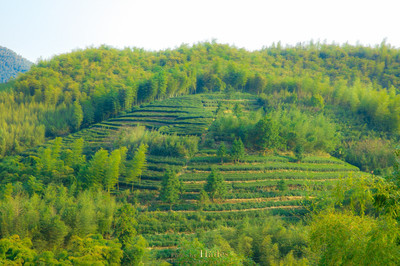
(11,64)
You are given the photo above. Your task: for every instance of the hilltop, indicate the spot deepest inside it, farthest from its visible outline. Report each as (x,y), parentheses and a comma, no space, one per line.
(11,64)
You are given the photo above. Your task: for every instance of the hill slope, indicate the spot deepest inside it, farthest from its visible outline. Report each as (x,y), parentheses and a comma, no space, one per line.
(355,86)
(257,186)
(11,64)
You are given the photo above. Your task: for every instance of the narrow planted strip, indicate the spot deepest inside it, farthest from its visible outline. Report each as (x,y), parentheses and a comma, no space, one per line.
(244,210)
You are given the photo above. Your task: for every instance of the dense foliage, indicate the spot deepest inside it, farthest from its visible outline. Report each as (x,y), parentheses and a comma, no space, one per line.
(74,90)
(11,64)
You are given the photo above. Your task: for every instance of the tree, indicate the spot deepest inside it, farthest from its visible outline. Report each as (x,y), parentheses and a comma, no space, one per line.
(256,83)
(215,185)
(94,250)
(97,168)
(299,152)
(134,253)
(137,165)
(282,186)
(16,251)
(266,134)
(353,240)
(75,158)
(317,101)
(219,108)
(171,188)
(124,224)
(113,170)
(237,109)
(77,116)
(122,166)
(237,150)
(147,90)
(203,198)
(221,152)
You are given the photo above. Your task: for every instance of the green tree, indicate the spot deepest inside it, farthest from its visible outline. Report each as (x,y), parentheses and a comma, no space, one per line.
(237,109)
(16,251)
(203,198)
(265,134)
(124,224)
(82,217)
(299,152)
(74,157)
(94,250)
(77,116)
(171,188)
(221,152)
(113,172)
(269,252)
(135,253)
(282,186)
(97,169)
(219,108)
(137,165)
(215,185)
(317,101)
(256,84)
(343,238)
(237,150)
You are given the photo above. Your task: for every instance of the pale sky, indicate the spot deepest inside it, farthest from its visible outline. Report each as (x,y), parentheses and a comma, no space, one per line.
(44,28)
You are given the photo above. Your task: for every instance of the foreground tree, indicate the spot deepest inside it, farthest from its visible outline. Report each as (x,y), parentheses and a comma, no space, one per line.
(347,239)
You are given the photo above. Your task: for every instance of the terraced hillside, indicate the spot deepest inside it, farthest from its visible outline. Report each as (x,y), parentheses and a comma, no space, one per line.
(186,115)
(258,186)
(254,191)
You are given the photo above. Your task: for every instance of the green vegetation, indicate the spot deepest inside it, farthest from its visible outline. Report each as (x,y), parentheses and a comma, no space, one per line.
(133,157)
(215,186)
(11,65)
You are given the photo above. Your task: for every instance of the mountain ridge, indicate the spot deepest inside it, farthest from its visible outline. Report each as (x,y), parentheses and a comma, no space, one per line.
(11,64)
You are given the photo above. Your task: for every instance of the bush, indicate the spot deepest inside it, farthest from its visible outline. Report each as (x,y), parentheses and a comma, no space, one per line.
(370,154)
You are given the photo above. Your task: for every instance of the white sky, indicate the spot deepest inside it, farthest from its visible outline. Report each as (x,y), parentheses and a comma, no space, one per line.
(43,28)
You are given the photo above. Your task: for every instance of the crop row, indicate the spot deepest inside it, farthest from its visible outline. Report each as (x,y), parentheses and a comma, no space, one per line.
(235,176)
(265,185)
(276,166)
(224,206)
(189,120)
(243,194)
(257,158)
(166,160)
(161,222)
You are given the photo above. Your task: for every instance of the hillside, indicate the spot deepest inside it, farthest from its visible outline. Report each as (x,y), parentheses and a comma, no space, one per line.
(282,156)
(355,86)
(257,187)
(12,64)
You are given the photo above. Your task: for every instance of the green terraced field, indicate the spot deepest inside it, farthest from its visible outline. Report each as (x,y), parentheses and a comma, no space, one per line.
(252,192)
